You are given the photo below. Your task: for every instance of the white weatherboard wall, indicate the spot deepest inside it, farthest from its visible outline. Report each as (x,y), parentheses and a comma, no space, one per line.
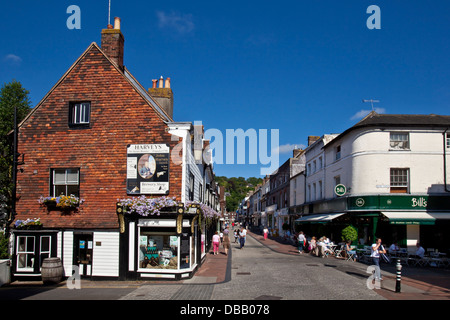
(105,255)
(66,238)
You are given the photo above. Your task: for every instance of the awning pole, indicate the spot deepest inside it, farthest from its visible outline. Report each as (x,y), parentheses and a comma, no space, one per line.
(374,229)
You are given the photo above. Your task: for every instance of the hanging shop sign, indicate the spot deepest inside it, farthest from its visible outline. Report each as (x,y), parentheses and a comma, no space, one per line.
(340,190)
(148,169)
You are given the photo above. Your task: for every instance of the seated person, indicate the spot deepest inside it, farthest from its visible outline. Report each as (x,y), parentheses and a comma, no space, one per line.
(323,244)
(419,252)
(348,249)
(394,248)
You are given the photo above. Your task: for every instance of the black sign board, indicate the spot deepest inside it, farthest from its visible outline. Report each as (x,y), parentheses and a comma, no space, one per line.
(184,251)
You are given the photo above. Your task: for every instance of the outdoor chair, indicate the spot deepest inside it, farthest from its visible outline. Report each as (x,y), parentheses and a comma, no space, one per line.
(338,251)
(351,255)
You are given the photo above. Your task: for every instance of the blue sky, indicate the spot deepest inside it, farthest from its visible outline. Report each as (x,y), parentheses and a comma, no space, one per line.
(302,67)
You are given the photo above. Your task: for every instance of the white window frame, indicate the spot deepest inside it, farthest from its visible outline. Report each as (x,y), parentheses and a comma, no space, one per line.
(49,251)
(66,183)
(81,113)
(25,253)
(397,141)
(399,184)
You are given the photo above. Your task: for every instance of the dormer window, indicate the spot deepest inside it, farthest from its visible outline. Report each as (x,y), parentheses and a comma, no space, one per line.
(79,114)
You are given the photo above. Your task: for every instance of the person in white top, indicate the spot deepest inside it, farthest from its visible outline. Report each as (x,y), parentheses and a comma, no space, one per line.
(242,236)
(301,242)
(377,248)
(216,242)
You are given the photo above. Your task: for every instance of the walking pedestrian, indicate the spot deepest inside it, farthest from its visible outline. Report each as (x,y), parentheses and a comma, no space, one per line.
(266,233)
(377,248)
(221,236)
(301,242)
(226,243)
(216,242)
(236,235)
(242,236)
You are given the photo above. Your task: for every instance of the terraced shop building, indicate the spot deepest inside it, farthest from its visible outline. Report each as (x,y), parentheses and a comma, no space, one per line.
(98,138)
(388,175)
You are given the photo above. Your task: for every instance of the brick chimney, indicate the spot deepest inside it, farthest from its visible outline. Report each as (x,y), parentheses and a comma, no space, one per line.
(297,152)
(113,42)
(312,139)
(163,94)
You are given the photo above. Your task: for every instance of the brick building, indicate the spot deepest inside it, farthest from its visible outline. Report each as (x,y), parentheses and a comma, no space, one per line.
(93,136)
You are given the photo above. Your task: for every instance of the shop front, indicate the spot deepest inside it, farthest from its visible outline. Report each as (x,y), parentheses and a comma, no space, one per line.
(170,246)
(405,219)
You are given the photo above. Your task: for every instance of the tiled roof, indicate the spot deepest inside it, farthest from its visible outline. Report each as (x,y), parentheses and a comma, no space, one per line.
(374,119)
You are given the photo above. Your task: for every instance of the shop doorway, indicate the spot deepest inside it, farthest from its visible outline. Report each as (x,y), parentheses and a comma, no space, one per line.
(82,255)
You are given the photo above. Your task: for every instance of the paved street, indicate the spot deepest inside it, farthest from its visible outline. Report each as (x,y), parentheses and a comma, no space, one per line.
(257,272)
(263,270)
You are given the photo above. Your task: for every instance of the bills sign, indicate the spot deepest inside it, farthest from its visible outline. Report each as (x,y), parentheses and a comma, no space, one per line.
(148,169)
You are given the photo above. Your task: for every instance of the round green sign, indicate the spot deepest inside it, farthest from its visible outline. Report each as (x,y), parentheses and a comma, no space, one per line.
(340,190)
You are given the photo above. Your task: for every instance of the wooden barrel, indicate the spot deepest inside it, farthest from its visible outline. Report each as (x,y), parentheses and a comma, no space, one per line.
(51,270)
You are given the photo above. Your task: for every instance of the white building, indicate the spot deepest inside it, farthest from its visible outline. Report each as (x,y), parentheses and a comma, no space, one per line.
(395,171)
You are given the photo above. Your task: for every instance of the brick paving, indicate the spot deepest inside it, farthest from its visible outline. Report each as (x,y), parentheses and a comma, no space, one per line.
(417,283)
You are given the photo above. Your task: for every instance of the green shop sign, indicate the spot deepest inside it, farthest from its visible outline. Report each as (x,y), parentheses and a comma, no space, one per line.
(399,202)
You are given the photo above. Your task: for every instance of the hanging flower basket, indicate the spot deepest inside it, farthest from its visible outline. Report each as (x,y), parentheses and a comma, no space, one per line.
(61,202)
(155,206)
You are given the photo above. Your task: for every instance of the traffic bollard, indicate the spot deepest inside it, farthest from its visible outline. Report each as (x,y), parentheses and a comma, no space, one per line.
(399,276)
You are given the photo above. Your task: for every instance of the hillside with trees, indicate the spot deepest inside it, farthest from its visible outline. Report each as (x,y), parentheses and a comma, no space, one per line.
(237,189)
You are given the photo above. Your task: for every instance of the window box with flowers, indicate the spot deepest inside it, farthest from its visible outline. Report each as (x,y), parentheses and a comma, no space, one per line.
(61,202)
(29,224)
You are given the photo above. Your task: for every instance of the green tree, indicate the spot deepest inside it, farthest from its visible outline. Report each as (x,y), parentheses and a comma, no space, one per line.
(237,187)
(12,95)
(349,233)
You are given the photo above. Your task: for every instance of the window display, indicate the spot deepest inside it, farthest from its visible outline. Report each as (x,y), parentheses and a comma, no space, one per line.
(158,250)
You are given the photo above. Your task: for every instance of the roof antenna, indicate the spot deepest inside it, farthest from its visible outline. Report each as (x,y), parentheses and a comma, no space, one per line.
(371,102)
(109,12)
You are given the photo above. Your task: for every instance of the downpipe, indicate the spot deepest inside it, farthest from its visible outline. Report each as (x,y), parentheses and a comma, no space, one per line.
(445,159)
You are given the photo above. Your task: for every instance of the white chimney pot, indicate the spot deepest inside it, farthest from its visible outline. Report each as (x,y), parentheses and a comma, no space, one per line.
(117,23)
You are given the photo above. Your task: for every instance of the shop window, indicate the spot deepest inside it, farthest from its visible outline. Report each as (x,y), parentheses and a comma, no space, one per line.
(158,250)
(25,253)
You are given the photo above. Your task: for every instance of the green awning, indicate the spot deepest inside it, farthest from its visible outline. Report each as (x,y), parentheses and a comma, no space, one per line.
(409,217)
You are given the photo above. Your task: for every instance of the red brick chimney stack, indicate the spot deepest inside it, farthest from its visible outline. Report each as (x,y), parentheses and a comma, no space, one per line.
(113,43)
(163,94)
